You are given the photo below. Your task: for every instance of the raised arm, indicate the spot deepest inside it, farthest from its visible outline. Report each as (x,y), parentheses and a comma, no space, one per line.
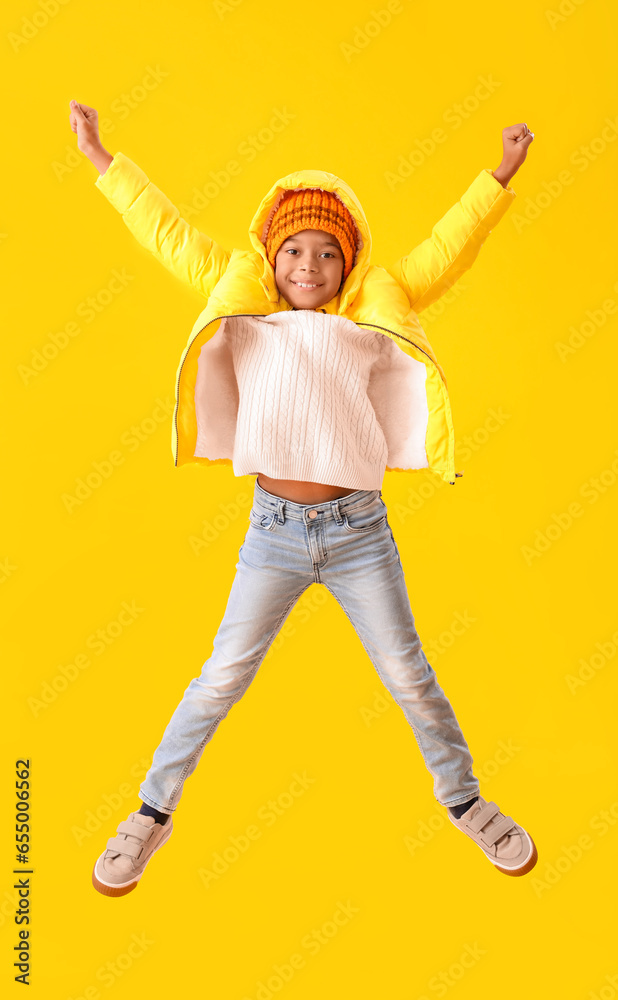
(429,270)
(153,219)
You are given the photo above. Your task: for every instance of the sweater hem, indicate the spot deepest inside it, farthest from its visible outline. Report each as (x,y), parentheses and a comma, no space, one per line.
(309,469)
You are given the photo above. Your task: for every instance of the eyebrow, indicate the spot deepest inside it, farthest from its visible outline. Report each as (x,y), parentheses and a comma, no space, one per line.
(326,243)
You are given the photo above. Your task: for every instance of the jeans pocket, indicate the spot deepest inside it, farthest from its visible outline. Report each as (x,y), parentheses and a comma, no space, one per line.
(259,517)
(370,517)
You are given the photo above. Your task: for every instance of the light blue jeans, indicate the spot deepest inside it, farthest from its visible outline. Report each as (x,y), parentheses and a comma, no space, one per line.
(347,545)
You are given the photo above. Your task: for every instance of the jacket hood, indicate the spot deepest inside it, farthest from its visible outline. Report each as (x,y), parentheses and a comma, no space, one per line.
(297,181)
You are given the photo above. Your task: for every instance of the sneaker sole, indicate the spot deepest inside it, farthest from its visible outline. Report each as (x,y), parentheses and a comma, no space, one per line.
(528,864)
(121,889)
(110,890)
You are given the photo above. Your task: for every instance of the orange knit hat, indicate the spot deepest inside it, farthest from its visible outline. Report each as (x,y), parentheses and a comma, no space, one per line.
(312,208)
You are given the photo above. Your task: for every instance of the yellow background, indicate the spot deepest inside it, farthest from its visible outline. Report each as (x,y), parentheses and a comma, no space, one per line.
(366,832)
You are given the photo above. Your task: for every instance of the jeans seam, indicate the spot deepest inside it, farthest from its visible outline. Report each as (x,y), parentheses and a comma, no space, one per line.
(366,530)
(395,545)
(461,799)
(236,697)
(355,506)
(259,524)
(377,669)
(151,802)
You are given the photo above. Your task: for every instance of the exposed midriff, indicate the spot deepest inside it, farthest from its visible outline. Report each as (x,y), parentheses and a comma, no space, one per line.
(299,492)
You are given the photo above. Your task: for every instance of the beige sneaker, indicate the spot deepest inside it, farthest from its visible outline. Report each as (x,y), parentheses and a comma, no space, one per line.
(504,842)
(121,866)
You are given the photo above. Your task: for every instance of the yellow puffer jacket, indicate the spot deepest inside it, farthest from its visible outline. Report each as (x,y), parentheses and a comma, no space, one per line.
(243,282)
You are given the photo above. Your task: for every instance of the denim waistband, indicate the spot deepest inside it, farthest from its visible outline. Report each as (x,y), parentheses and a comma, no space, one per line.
(324,510)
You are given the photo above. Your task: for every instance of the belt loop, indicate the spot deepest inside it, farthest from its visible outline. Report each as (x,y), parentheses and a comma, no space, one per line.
(334,504)
(280,510)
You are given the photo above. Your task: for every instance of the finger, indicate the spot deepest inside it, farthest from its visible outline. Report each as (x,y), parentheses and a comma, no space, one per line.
(525,133)
(81,110)
(515,133)
(85,108)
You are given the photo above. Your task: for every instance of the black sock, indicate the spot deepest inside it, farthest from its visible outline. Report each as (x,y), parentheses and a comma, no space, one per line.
(161,818)
(459,810)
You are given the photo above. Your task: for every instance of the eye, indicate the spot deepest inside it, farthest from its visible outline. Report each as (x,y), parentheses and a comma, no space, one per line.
(294,250)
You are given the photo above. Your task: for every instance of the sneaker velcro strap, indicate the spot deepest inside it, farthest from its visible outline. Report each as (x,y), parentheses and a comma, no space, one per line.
(505,825)
(134,829)
(483,816)
(121,846)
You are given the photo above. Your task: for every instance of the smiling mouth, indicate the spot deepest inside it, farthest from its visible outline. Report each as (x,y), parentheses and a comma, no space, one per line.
(306,285)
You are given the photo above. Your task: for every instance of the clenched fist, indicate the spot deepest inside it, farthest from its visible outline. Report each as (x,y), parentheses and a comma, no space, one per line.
(515,142)
(85,121)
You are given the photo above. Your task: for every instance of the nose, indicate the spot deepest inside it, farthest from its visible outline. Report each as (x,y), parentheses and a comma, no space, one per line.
(308,264)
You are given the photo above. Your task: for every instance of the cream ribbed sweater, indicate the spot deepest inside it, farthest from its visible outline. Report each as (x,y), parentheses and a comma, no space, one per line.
(306,395)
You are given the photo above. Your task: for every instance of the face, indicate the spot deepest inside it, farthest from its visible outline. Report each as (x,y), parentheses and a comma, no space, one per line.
(310,258)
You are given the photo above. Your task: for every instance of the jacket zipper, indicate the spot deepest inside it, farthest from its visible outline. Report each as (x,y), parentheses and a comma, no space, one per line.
(177,400)
(401,336)
(408,341)
(374,326)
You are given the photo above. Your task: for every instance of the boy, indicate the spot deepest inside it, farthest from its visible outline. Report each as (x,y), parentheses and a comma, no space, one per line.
(309,369)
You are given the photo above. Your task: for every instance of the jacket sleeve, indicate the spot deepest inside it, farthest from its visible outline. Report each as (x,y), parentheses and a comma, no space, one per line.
(156,224)
(429,270)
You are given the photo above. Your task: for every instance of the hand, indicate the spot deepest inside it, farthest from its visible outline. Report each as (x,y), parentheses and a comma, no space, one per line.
(85,121)
(515,142)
